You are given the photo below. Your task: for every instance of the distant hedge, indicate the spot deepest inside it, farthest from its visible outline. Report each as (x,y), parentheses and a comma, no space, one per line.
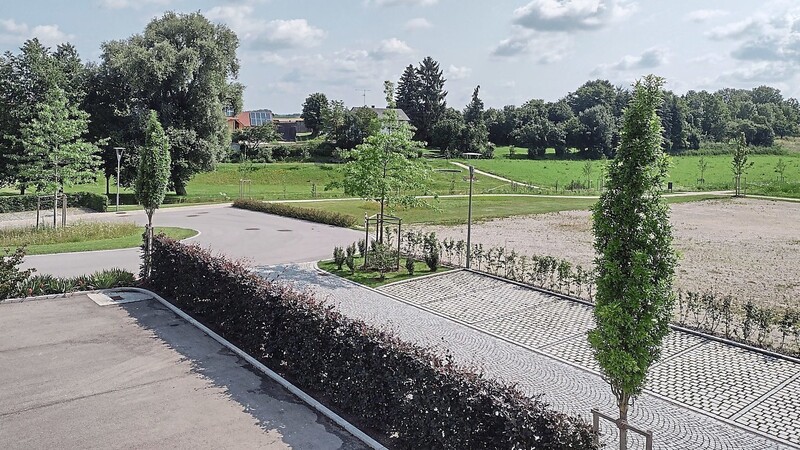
(405,392)
(27,202)
(310,214)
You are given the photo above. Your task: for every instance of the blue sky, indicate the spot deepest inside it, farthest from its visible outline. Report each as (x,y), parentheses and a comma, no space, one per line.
(516,50)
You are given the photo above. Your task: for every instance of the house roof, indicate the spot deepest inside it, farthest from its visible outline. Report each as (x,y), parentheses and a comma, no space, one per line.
(401,115)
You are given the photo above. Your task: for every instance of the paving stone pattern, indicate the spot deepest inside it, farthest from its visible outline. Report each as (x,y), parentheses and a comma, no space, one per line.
(542,348)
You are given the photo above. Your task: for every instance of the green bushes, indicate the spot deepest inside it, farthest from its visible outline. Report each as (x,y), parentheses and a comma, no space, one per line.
(20,283)
(413,396)
(28,202)
(283,209)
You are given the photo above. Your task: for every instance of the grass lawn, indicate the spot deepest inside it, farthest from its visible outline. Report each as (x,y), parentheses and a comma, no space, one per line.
(684,173)
(278,181)
(82,236)
(372,279)
(453,211)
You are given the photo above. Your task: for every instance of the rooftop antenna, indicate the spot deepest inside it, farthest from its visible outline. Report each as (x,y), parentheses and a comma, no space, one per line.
(364,94)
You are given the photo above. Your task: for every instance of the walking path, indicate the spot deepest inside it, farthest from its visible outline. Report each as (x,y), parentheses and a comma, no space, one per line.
(491,175)
(702,394)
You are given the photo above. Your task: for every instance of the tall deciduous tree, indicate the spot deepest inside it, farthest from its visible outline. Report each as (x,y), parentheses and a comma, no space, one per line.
(55,153)
(152,179)
(313,111)
(182,67)
(635,262)
(431,97)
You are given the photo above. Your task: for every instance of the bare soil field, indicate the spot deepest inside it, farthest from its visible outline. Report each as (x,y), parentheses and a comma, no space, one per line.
(747,248)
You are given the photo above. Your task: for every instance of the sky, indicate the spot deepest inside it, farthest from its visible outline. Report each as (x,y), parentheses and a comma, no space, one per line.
(515,50)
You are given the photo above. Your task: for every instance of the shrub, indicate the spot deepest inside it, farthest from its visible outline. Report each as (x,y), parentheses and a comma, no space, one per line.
(410,265)
(31,286)
(11,276)
(419,398)
(338,257)
(283,209)
(431,251)
(28,202)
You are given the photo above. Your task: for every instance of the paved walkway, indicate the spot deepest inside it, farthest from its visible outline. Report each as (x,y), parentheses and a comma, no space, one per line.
(702,395)
(135,375)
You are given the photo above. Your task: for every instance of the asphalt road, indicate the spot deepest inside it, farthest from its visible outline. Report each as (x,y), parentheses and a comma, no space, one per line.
(136,376)
(257,238)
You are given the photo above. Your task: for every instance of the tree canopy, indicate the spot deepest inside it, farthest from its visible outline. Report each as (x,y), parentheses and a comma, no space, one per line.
(182,67)
(313,112)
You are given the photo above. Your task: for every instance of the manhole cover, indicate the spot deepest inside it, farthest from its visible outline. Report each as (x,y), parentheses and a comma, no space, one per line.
(285,230)
(116,297)
(252,229)
(192,215)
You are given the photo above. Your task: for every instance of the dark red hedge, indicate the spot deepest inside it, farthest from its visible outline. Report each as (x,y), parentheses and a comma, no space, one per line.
(407,392)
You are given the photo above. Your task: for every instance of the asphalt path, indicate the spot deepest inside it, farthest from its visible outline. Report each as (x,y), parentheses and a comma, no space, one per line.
(256,238)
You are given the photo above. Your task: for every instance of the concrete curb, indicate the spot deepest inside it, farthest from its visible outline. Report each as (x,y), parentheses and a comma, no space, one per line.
(267,371)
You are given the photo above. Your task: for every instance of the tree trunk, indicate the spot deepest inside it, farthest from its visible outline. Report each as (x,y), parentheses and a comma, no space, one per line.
(180,186)
(21,189)
(108,181)
(622,423)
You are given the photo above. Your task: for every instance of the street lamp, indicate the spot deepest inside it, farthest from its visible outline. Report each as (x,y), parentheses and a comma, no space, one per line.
(469,209)
(119,151)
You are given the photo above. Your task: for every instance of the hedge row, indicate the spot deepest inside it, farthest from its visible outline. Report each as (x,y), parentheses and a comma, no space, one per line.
(27,202)
(405,392)
(310,214)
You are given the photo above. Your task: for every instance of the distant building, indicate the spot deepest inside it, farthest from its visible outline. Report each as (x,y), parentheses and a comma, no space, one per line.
(247,119)
(380,112)
(288,127)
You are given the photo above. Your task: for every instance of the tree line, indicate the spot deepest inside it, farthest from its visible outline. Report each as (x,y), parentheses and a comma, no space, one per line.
(63,118)
(586,122)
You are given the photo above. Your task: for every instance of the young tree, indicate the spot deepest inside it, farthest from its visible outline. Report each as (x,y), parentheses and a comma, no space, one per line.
(152,179)
(780,169)
(384,167)
(313,111)
(56,154)
(739,163)
(702,165)
(252,138)
(635,262)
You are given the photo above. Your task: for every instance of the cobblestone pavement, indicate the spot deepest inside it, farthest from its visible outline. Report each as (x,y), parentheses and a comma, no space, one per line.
(702,395)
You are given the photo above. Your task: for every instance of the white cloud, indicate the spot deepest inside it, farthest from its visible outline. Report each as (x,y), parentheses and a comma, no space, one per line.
(388,48)
(266,35)
(571,15)
(736,30)
(704,15)
(12,31)
(136,4)
(649,59)
(545,48)
(418,23)
(457,73)
(402,2)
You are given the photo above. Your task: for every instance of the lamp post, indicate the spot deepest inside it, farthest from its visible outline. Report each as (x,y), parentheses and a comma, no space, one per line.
(119,151)
(469,209)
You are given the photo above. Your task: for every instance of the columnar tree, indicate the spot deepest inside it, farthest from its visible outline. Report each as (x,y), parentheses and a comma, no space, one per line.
(635,261)
(408,94)
(152,179)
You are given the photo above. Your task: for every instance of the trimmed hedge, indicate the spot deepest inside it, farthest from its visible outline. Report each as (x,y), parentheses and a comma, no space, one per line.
(312,215)
(408,393)
(27,202)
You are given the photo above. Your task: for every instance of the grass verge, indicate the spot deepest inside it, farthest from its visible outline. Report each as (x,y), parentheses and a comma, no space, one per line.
(372,279)
(82,236)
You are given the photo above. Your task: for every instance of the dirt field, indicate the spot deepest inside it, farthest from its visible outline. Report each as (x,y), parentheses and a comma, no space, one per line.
(744,247)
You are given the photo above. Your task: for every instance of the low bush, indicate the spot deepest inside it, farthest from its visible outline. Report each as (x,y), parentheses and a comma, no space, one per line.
(15,282)
(283,209)
(413,396)
(28,202)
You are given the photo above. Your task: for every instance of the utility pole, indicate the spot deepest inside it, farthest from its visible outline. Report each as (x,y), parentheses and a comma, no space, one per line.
(364,94)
